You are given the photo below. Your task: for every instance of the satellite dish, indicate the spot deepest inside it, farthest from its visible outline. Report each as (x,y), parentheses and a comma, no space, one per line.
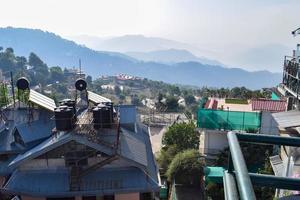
(22,83)
(80,84)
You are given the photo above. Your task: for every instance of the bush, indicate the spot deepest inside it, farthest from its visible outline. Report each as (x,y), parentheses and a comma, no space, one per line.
(187,168)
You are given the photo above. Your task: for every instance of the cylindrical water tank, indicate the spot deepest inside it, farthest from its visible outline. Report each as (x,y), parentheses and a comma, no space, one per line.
(102,116)
(69,103)
(111,108)
(64,118)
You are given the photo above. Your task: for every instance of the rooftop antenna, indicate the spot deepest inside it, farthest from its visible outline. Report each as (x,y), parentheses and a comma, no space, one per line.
(12,88)
(296,32)
(81,85)
(79,68)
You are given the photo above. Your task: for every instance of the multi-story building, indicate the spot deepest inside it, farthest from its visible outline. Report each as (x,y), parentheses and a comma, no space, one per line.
(97,152)
(218,116)
(287,161)
(290,86)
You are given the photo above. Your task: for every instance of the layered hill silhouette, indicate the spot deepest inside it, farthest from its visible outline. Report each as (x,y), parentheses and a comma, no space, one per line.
(57,51)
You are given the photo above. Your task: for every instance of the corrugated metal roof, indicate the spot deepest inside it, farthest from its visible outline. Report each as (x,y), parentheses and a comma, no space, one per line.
(35,130)
(132,147)
(287,119)
(6,143)
(277,165)
(42,100)
(152,166)
(54,142)
(268,105)
(96,98)
(53,183)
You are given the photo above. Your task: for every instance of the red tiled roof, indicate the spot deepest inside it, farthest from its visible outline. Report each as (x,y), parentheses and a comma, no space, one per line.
(211,104)
(214,104)
(207,104)
(268,105)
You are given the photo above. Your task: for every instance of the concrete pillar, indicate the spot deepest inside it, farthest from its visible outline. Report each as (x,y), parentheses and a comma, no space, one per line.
(131,196)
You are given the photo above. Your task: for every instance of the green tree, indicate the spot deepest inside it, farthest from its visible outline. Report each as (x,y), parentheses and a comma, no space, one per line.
(172,103)
(189,99)
(117,90)
(174,90)
(135,100)
(122,97)
(56,74)
(39,66)
(215,191)
(89,80)
(166,156)
(183,135)
(186,168)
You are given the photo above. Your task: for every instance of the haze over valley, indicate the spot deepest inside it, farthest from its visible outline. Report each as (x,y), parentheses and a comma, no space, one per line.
(169,65)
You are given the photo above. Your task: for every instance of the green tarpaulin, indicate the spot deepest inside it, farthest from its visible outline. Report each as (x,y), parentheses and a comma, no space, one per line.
(228,120)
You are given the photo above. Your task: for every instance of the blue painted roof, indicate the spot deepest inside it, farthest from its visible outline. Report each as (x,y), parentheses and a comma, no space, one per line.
(55,183)
(152,169)
(7,145)
(54,142)
(133,147)
(35,130)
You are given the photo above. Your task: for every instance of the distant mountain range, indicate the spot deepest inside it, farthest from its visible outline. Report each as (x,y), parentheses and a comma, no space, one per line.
(171,56)
(55,50)
(129,43)
(144,48)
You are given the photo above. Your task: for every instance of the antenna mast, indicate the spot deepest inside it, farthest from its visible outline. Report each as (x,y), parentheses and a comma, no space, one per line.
(79,68)
(296,32)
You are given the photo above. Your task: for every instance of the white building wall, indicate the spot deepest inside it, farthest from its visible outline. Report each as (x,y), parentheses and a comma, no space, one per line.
(214,141)
(268,124)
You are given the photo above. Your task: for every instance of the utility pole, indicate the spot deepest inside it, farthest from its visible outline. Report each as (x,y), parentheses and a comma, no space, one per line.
(12,88)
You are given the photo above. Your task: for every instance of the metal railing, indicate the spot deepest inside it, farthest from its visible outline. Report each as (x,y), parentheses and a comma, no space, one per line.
(238,182)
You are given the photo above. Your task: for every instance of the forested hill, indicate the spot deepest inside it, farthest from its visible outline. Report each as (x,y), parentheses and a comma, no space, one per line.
(55,50)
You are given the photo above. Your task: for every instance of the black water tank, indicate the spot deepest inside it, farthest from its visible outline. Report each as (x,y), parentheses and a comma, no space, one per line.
(96,117)
(102,116)
(69,103)
(111,107)
(64,118)
(22,83)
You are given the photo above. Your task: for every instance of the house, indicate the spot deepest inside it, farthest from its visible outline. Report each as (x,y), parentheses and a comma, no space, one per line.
(218,116)
(79,153)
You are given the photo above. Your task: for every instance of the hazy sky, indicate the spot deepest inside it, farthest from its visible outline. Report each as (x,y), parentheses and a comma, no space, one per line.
(228,29)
